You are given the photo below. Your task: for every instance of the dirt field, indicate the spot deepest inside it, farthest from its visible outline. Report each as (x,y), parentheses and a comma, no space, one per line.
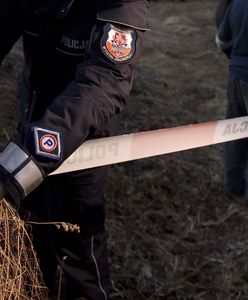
(173,235)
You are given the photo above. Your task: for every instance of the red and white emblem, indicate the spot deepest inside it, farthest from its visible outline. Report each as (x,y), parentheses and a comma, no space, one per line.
(117,44)
(48,142)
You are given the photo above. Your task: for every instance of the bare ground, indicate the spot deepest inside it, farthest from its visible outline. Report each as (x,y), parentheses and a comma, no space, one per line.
(173,234)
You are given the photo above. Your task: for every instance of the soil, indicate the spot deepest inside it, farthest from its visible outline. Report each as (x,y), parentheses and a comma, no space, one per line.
(173,234)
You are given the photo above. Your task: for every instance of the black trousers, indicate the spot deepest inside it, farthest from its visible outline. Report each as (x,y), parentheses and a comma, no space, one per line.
(76,198)
(235,152)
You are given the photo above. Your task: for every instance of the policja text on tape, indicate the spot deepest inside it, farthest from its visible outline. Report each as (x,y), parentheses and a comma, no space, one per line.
(122,148)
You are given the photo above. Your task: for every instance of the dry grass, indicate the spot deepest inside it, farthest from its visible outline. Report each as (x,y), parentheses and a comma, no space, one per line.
(20,275)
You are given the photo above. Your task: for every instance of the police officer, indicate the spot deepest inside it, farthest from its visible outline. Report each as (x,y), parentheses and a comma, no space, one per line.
(232,40)
(77,76)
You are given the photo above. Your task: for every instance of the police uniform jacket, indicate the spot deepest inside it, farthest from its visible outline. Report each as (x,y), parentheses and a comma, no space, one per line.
(232,38)
(78,72)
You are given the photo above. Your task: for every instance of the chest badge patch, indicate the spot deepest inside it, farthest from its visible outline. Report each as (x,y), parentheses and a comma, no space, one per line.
(47,143)
(117,44)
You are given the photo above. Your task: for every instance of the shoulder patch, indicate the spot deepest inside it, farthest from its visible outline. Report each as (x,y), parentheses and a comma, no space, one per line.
(119,45)
(47,143)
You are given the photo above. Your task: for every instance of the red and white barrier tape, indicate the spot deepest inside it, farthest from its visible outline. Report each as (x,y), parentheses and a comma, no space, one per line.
(111,150)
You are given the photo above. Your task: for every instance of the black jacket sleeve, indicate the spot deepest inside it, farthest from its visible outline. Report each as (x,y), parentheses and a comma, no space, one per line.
(98,92)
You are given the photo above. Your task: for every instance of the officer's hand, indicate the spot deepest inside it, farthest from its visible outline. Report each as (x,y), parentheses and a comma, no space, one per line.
(2,191)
